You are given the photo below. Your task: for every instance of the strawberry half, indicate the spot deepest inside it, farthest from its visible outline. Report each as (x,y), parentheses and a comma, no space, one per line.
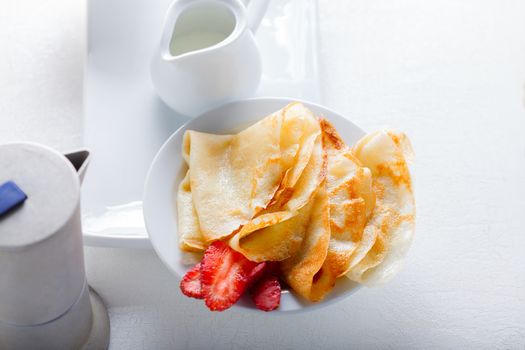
(267,293)
(191,283)
(272,268)
(257,272)
(225,275)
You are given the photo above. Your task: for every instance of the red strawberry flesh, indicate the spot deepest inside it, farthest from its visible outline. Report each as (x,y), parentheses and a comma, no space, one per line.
(267,293)
(191,283)
(258,271)
(225,275)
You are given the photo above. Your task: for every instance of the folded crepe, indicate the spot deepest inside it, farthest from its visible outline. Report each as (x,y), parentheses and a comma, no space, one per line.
(390,229)
(233,178)
(350,200)
(370,216)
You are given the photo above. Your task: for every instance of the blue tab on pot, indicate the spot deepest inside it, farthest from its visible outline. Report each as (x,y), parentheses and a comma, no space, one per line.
(10,196)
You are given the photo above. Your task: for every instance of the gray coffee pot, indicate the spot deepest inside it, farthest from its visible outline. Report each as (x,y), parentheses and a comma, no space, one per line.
(45,300)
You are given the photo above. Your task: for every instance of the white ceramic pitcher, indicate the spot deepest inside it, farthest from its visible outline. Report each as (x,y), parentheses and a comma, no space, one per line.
(208,54)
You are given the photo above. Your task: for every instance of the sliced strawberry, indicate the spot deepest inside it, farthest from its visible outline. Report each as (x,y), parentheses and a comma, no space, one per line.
(264,268)
(267,293)
(258,271)
(225,275)
(272,268)
(191,283)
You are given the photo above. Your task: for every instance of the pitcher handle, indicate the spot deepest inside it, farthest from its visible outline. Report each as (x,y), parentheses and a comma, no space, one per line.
(255,11)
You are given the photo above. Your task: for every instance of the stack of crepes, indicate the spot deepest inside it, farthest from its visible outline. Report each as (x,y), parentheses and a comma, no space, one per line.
(288,189)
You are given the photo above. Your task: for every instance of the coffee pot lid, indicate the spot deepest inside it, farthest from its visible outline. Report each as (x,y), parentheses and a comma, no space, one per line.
(39,192)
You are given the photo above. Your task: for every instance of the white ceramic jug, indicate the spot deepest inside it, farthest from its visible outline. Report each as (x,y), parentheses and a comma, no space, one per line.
(208,54)
(45,301)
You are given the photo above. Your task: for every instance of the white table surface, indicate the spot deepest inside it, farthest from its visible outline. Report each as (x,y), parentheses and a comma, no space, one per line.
(449,73)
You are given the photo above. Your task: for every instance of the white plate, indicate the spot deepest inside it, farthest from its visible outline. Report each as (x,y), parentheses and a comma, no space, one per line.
(125,122)
(168,168)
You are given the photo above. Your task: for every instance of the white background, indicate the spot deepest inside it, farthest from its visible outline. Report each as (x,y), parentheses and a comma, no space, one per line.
(449,73)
